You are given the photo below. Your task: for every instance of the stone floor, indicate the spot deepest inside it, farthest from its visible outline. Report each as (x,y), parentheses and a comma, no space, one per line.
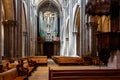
(42,72)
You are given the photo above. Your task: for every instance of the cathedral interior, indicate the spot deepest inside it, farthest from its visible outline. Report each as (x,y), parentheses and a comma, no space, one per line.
(59,39)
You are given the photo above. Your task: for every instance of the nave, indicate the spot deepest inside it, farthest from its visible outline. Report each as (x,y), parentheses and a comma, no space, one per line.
(42,72)
(33,31)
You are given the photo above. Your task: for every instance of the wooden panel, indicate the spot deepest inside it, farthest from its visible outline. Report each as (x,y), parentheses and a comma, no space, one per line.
(48,49)
(107,42)
(96,74)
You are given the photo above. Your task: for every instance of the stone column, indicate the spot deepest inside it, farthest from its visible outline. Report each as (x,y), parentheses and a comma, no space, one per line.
(9,38)
(18,30)
(28,28)
(74,43)
(70,28)
(82,28)
(24,44)
(66,47)
(62,50)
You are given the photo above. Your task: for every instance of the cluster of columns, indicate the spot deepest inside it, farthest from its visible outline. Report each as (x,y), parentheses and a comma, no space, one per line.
(13,33)
(9,38)
(64,32)
(69,37)
(87,39)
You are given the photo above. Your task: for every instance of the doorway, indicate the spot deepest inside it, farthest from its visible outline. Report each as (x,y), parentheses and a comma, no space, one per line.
(48,49)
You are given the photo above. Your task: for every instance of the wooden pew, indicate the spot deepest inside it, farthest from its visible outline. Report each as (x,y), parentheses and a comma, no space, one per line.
(63,60)
(12,73)
(95,74)
(40,60)
(9,75)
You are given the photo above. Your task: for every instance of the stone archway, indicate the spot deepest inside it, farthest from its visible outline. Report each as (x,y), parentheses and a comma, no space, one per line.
(48,29)
(76,32)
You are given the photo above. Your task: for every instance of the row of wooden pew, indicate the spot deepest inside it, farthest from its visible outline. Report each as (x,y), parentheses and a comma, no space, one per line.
(94,74)
(22,68)
(64,60)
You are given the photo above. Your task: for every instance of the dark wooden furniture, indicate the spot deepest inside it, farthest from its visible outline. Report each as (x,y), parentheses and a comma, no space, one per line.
(94,74)
(1,68)
(64,60)
(38,60)
(107,42)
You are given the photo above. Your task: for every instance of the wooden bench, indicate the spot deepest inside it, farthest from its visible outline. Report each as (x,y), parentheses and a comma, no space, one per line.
(9,75)
(12,73)
(95,74)
(40,60)
(62,60)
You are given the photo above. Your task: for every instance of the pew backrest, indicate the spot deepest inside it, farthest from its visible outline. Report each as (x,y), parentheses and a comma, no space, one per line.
(105,74)
(9,75)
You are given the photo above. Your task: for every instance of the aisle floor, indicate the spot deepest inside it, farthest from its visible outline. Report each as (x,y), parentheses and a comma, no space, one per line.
(42,72)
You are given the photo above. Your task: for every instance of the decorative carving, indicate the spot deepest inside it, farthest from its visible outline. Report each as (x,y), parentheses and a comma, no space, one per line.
(99,7)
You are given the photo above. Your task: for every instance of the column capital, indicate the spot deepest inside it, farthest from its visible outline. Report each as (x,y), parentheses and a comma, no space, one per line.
(9,22)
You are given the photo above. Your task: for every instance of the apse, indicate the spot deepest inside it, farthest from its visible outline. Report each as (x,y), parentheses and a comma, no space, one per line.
(48,21)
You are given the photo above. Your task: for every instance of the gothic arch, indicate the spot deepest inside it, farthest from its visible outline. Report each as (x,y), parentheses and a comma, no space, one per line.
(50,6)
(50,29)
(52,1)
(76,28)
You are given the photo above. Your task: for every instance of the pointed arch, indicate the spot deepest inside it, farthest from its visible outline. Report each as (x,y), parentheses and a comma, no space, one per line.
(57,4)
(76,28)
